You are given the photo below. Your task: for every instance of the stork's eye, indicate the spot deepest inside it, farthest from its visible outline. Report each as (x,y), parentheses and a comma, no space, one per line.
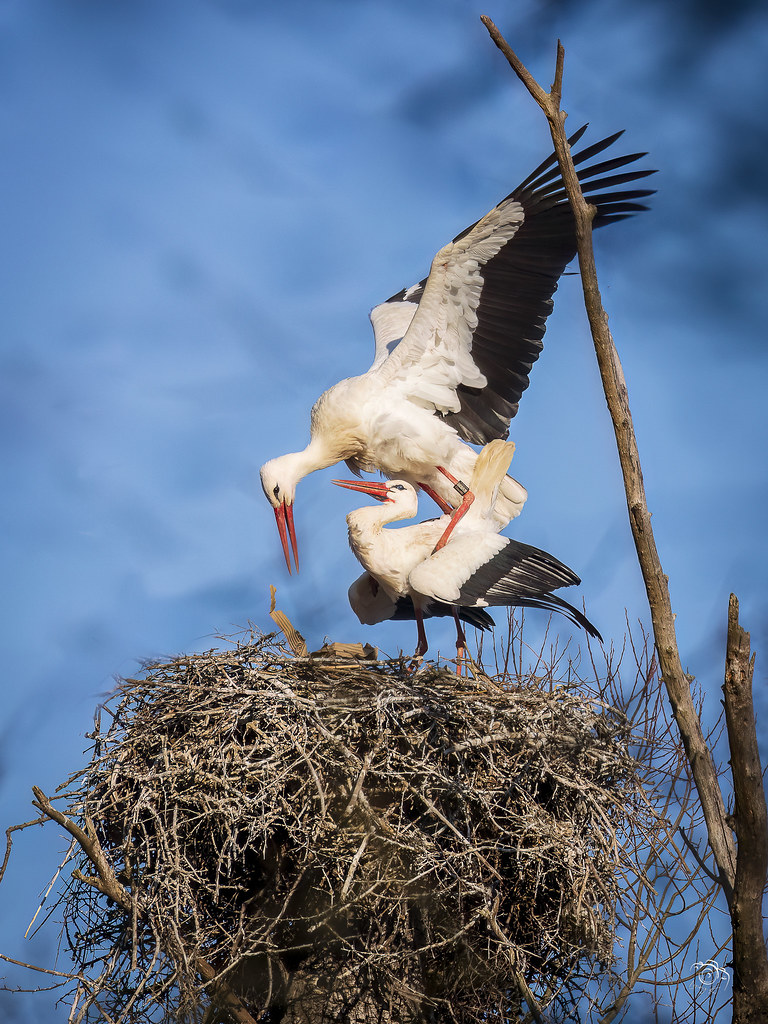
(276,491)
(398,487)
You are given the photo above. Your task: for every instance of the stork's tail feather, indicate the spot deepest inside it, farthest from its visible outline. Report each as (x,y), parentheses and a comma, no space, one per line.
(490,470)
(509,501)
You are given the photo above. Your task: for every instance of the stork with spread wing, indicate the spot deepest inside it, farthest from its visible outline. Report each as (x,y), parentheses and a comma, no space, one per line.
(454,352)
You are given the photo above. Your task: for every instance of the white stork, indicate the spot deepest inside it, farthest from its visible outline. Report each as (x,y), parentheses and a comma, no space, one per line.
(453,353)
(475,569)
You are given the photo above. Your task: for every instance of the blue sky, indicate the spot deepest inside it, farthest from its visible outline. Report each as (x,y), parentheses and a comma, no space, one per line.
(203,200)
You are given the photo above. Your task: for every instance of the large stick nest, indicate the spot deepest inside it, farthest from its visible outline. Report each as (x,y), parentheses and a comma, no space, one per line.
(347,842)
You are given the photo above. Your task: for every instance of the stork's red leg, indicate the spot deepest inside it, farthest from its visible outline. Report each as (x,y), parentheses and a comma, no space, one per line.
(445,507)
(461,641)
(421,646)
(466,500)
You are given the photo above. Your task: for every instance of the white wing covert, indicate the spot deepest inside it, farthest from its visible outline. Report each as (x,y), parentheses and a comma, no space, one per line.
(443,575)
(435,354)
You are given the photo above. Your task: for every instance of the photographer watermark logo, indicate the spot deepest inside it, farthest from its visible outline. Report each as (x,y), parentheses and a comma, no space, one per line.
(710,973)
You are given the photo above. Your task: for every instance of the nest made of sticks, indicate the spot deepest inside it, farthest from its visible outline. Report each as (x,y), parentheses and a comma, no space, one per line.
(312,841)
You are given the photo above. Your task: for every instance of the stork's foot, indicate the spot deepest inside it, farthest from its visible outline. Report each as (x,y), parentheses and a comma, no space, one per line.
(421,636)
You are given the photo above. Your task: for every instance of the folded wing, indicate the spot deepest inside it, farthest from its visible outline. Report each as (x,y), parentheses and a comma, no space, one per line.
(482,570)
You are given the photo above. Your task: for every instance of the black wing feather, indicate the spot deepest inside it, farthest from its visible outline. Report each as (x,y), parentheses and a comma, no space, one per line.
(519,282)
(477,617)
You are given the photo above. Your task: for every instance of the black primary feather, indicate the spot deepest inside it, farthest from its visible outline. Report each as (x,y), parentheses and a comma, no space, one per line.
(520,280)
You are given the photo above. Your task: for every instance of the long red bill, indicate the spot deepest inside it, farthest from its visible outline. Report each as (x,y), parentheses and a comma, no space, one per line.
(374,488)
(285,527)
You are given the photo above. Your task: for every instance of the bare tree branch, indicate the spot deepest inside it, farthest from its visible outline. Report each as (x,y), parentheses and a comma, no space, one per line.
(750,972)
(615,388)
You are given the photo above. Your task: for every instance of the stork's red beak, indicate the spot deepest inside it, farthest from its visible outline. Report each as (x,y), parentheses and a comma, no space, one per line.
(375,489)
(284,519)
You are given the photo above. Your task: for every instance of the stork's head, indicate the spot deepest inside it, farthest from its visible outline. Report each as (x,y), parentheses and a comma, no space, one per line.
(397,492)
(279,478)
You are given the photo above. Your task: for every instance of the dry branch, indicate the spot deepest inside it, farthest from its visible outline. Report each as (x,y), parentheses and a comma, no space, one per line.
(617,398)
(750,822)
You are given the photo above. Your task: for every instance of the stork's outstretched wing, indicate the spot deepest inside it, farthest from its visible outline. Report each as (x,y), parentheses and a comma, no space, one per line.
(472,330)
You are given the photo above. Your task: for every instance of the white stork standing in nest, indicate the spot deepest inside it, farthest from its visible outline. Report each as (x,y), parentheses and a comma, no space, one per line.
(475,569)
(453,353)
